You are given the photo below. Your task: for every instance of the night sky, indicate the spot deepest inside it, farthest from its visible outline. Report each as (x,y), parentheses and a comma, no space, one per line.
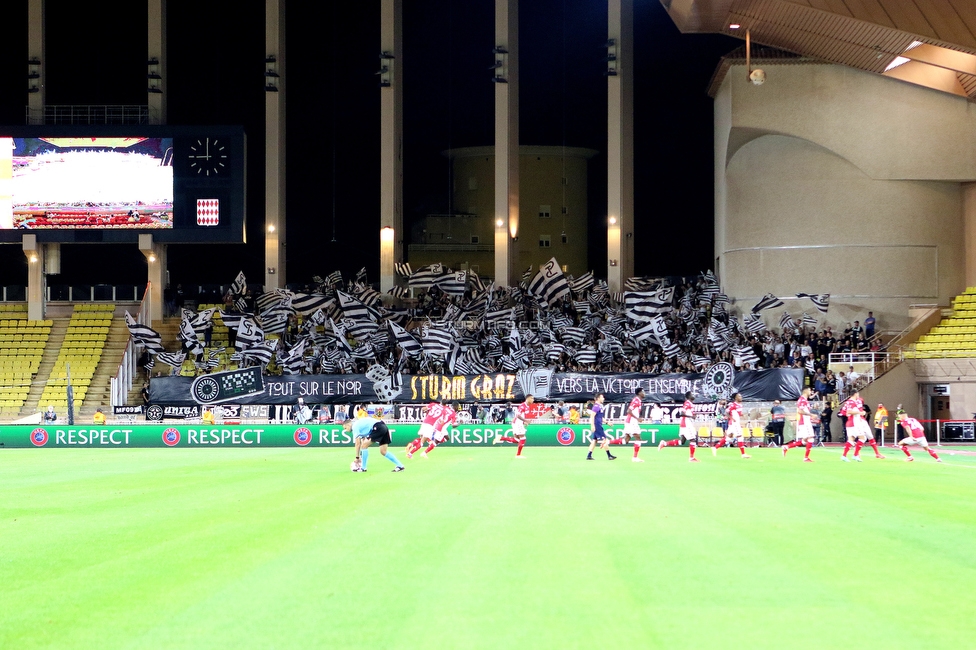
(96,54)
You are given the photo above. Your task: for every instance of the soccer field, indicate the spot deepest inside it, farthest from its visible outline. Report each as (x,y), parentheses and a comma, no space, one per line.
(286,548)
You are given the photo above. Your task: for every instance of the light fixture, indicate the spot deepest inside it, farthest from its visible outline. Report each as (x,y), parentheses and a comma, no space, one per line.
(499,80)
(152,258)
(386,234)
(612,220)
(272,270)
(498,49)
(735,26)
(499,223)
(33,258)
(271,227)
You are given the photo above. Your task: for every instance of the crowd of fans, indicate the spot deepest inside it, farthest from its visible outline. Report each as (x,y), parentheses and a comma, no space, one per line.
(587,331)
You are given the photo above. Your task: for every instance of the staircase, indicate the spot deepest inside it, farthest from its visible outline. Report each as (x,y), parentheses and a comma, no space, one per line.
(168,329)
(55,340)
(99,392)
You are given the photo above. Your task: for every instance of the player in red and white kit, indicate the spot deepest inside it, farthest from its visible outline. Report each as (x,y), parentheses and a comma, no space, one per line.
(518,426)
(686,429)
(858,429)
(432,418)
(734,431)
(632,420)
(442,430)
(804,427)
(916,436)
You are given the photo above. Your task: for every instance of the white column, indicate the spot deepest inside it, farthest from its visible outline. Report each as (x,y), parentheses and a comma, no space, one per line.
(156,63)
(37,86)
(274,147)
(506,142)
(155,254)
(620,147)
(35,277)
(391,139)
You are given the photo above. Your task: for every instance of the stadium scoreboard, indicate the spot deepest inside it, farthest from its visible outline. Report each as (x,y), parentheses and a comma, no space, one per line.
(91,184)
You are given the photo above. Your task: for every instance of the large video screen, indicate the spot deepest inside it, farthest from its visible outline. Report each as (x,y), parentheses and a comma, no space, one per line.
(86,183)
(114,183)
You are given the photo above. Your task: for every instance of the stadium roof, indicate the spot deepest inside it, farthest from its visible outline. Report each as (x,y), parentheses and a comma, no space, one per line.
(927,42)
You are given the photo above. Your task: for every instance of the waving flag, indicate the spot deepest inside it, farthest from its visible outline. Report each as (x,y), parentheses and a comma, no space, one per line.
(820,300)
(768,302)
(144,335)
(549,284)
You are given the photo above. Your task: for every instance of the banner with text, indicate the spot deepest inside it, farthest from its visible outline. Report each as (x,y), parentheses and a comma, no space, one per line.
(545,385)
(281,435)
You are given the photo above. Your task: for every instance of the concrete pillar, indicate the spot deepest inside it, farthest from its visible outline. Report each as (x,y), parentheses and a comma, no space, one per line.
(156,63)
(969,231)
(506,143)
(155,254)
(37,86)
(274,147)
(620,143)
(35,277)
(391,140)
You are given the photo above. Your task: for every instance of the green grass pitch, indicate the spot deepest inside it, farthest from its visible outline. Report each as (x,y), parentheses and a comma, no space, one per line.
(286,548)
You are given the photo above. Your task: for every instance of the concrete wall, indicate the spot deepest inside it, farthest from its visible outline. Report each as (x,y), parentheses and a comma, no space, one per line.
(893,388)
(541,170)
(830,180)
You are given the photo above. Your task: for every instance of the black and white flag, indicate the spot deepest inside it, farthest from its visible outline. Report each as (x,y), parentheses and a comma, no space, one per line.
(745,354)
(645,305)
(259,354)
(786,322)
(808,321)
(174,359)
(453,284)
(402,269)
(820,300)
(308,303)
(144,335)
(424,277)
(754,323)
(768,302)
(549,284)
(239,285)
(582,283)
(406,341)
(437,341)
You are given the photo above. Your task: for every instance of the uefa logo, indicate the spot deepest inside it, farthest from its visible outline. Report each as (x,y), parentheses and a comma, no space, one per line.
(171,437)
(566,436)
(39,437)
(303,436)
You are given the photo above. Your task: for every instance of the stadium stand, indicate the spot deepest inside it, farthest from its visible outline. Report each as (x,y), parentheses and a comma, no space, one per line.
(80,353)
(954,336)
(22,345)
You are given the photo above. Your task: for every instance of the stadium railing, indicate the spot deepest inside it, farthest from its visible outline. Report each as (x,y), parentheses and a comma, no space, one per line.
(121,383)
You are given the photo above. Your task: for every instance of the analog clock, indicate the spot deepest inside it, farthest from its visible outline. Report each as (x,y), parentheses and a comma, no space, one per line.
(208,157)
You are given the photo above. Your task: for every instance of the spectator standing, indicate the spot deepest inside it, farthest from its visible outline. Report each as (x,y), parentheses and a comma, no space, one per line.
(880,422)
(825,421)
(869,324)
(857,333)
(657,414)
(777,422)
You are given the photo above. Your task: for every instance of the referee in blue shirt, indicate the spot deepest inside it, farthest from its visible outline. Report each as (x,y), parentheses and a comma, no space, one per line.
(372,430)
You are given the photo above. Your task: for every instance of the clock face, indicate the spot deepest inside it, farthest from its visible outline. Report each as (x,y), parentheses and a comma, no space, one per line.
(208,157)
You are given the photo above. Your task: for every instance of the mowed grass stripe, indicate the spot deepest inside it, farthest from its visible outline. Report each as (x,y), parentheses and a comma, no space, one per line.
(286,548)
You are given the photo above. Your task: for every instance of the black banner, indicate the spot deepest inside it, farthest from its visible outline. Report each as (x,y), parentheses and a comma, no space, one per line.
(545,385)
(128,410)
